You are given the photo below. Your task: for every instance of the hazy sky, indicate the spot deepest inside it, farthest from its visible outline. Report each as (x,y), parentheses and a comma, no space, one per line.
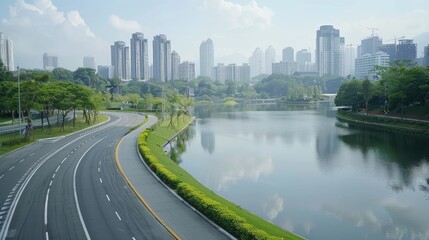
(74,29)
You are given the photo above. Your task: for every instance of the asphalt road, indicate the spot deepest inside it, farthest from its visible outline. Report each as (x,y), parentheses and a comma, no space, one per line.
(69,188)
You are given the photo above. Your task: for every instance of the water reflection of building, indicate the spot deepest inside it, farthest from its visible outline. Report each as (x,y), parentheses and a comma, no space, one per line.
(327,144)
(208,141)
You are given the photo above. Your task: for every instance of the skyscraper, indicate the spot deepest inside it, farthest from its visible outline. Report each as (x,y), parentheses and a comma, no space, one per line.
(329,57)
(50,62)
(303,58)
(6,52)
(175,61)
(349,60)
(406,50)
(105,72)
(120,55)
(370,45)
(139,57)
(89,62)
(426,56)
(287,54)
(256,62)
(186,71)
(206,57)
(365,64)
(270,58)
(161,58)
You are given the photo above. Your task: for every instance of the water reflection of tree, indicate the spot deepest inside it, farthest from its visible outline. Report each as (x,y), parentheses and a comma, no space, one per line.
(408,152)
(179,144)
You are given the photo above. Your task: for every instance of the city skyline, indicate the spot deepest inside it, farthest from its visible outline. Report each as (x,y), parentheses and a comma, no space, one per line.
(72,30)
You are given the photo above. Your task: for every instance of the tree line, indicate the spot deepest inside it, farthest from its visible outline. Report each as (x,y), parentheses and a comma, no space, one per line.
(42,93)
(400,86)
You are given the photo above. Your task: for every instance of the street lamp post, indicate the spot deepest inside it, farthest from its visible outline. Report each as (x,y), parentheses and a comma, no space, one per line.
(19,105)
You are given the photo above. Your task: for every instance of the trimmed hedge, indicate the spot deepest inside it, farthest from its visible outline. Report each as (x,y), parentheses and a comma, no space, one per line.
(221,215)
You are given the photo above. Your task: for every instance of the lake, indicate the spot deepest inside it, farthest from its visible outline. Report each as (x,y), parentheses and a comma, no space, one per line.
(303,170)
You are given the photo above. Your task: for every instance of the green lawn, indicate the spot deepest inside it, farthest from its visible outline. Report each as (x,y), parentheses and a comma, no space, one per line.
(54,131)
(155,141)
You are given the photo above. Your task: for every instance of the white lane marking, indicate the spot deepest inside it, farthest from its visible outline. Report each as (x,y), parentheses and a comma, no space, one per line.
(133,238)
(107,196)
(1,176)
(11,168)
(47,235)
(99,163)
(56,170)
(31,171)
(21,160)
(118,216)
(75,192)
(53,176)
(31,154)
(63,160)
(4,208)
(98,169)
(50,183)
(101,181)
(46,207)
(2,212)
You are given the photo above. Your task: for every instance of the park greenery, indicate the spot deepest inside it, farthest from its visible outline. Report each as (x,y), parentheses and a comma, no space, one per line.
(402,89)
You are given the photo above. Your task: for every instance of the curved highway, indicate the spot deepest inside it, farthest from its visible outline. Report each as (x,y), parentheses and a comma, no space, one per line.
(69,188)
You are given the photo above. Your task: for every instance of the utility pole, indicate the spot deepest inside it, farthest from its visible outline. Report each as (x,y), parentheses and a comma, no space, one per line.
(19,105)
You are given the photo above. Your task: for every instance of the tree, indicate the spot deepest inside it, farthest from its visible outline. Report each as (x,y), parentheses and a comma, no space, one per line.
(62,74)
(367,92)
(350,94)
(135,99)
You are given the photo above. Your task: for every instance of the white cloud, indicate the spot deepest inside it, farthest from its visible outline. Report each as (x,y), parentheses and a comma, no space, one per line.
(77,21)
(124,25)
(241,16)
(40,27)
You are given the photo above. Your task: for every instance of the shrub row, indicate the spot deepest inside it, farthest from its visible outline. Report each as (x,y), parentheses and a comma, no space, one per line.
(221,215)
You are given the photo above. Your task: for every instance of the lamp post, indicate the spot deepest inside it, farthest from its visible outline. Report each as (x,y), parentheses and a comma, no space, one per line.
(19,104)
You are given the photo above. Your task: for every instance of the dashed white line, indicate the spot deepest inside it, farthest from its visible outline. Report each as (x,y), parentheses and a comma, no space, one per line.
(47,235)
(46,206)
(118,216)
(53,176)
(98,169)
(56,170)
(31,154)
(11,168)
(50,183)
(1,176)
(63,160)
(21,160)
(101,181)
(107,196)
(133,238)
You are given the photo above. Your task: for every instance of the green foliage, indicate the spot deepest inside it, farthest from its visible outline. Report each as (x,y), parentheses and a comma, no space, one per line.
(350,94)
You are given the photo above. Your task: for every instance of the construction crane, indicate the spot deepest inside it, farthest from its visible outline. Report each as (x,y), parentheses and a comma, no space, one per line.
(372,30)
(395,39)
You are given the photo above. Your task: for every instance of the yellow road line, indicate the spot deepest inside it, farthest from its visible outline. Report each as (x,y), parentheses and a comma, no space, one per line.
(119,166)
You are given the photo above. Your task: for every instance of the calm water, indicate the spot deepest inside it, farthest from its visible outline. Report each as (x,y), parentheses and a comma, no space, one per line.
(301,169)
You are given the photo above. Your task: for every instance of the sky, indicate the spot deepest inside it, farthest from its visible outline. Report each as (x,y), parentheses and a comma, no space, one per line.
(74,29)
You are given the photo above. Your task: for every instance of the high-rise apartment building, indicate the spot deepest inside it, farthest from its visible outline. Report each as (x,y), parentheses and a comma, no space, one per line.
(120,55)
(329,51)
(270,58)
(139,57)
(256,62)
(284,68)
(175,61)
(161,58)
(365,64)
(303,59)
(186,71)
(6,52)
(287,54)
(349,60)
(206,57)
(89,62)
(219,73)
(406,50)
(370,45)
(50,62)
(105,72)
(390,49)
(426,56)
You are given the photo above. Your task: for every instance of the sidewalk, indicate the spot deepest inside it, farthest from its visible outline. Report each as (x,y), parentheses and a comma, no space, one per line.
(180,218)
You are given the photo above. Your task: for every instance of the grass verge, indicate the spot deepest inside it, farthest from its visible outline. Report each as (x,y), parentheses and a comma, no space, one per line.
(11,141)
(385,123)
(237,221)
